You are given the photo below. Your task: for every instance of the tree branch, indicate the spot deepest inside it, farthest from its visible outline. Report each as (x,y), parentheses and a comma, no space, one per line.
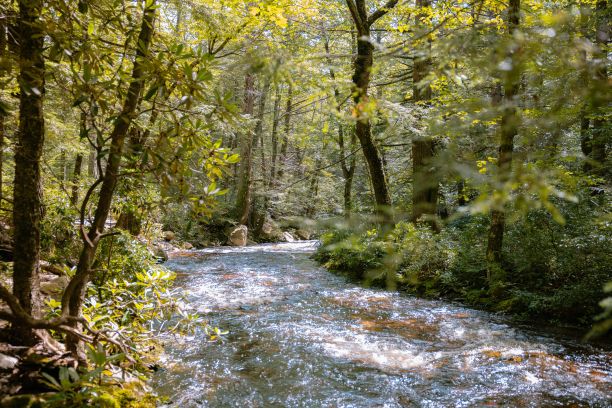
(381,11)
(355,14)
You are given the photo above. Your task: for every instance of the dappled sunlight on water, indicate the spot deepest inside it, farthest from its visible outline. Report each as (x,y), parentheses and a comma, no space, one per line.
(302,337)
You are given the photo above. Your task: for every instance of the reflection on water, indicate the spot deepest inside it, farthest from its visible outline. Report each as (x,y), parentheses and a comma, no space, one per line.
(302,337)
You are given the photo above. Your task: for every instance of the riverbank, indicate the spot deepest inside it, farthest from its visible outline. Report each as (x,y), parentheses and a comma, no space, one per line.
(451,265)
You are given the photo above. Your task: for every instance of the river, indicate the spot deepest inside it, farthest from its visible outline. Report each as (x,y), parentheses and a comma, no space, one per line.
(300,336)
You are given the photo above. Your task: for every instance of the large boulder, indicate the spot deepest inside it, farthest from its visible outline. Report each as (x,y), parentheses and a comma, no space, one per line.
(169,236)
(238,235)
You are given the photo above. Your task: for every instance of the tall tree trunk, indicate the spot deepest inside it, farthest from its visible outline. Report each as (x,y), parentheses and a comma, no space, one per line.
(585,121)
(425,181)
(27,196)
(246,148)
(3,45)
(508,130)
(63,162)
(266,182)
(361,82)
(285,142)
(462,200)
(311,207)
(347,170)
(275,121)
(1,157)
(600,133)
(73,297)
(76,179)
(91,163)
(249,139)
(78,165)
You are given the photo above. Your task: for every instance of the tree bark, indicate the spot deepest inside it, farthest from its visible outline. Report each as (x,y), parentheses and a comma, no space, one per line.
(425,182)
(275,122)
(508,130)
(3,45)
(78,165)
(76,179)
(27,196)
(287,125)
(73,297)
(361,82)
(246,147)
(585,121)
(347,170)
(600,133)
(243,197)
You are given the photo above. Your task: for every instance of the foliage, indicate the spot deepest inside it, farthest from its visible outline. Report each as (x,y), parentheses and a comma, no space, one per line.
(132,297)
(345,252)
(555,272)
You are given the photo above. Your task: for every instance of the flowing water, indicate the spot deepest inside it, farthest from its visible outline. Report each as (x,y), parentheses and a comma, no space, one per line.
(300,336)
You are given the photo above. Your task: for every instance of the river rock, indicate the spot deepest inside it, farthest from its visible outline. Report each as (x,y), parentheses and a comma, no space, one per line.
(303,234)
(238,235)
(287,237)
(7,362)
(54,286)
(187,246)
(169,236)
(270,231)
(160,253)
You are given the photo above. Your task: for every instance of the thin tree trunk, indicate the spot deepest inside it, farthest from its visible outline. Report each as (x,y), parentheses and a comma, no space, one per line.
(347,170)
(1,157)
(311,207)
(73,297)
(600,133)
(508,130)
(64,168)
(27,196)
(91,163)
(425,182)
(461,197)
(246,147)
(78,165)
(76,179)
(275,122)
(285,142)
(266,182)
(3,45)
(585,121)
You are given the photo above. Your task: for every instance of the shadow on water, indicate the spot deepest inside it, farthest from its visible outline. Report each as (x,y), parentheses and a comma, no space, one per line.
(302,337)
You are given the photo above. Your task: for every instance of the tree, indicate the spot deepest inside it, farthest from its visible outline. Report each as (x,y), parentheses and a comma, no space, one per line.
(509,125)
(73,297)
(425,183)
(27,196)
(361,80)
(243,195)
(601,131)
(348,160)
